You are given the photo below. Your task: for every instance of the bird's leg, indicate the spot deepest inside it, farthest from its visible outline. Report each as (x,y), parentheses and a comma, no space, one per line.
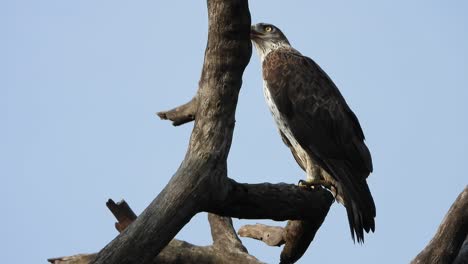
(314,183)
(314,179)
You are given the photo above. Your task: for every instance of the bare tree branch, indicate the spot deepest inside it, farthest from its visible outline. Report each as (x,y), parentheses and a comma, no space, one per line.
(201,176)
(223,233)
(122,212)
(448,240)
(201,183)
(270,235)
(279,202)
(182,114)
(296,236)
(183,252)
(75,259)
(272,201)
(226,248)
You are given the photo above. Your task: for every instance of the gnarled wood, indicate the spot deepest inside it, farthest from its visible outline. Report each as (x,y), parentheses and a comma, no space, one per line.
(226,248)
(270,235)
(75,259)
(296,236)
(201,183)
(122,212)
(276,201)
(223,233)
(199,179)
(279,202)
(181,114)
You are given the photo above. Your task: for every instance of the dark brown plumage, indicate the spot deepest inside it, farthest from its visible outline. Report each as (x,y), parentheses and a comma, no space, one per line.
(314,118)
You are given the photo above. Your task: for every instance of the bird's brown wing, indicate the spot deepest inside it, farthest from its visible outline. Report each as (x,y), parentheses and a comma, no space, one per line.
(324,125)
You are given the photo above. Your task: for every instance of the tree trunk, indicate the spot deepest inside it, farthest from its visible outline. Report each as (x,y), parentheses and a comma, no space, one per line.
(201,177)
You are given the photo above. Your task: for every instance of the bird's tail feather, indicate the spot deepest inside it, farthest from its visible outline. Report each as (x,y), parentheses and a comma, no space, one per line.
(357,200)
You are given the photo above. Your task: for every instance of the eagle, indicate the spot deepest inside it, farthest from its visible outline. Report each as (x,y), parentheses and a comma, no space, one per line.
(316,123)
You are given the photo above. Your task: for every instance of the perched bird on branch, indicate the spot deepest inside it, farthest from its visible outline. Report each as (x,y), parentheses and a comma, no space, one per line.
(316,123)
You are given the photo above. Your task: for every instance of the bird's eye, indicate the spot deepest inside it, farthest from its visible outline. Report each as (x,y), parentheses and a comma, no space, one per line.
(268,28)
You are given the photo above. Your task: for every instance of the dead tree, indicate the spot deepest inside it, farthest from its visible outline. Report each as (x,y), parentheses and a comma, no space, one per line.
(447,246)
(226,248)
(201,184)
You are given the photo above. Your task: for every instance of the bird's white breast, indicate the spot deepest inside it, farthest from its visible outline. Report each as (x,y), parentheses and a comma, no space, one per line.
(282,123)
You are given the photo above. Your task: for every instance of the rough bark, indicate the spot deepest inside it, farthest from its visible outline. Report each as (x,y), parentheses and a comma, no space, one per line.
(273,201)
(296,236)
(182,114)
(75,259)
(279,202)
(199,179)
(123,213)
(226,248)
(270,235)
(201,183)
(448,240)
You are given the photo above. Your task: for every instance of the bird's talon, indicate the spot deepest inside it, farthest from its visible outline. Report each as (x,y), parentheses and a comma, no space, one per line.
(303,184)
(309,185)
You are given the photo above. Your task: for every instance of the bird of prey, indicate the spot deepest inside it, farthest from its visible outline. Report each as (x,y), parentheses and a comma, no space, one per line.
(318,126)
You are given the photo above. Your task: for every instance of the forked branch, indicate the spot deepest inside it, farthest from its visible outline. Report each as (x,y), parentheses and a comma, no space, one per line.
(199,180)
(296,236)
(226,248)
(255,201)
(201,183)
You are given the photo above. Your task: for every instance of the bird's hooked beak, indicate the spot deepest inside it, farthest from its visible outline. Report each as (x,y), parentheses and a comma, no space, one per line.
(254,33)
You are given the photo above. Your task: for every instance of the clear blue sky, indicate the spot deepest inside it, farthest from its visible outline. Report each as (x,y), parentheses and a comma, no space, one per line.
(80,82)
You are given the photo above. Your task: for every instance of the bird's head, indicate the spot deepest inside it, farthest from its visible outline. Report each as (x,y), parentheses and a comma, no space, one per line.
(267,37)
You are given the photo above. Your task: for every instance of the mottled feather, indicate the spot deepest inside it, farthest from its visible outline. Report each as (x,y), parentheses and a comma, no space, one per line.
(324,125)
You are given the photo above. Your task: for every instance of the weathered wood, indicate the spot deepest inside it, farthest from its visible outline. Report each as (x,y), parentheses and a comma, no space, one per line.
(296,236)
(181,114)
(307,208)
(448,240)
(122,212)
(279,202)
(223,233)
(199,179)
(227,247)
(75,259)
(201,183)
(180,252)
(270,235)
